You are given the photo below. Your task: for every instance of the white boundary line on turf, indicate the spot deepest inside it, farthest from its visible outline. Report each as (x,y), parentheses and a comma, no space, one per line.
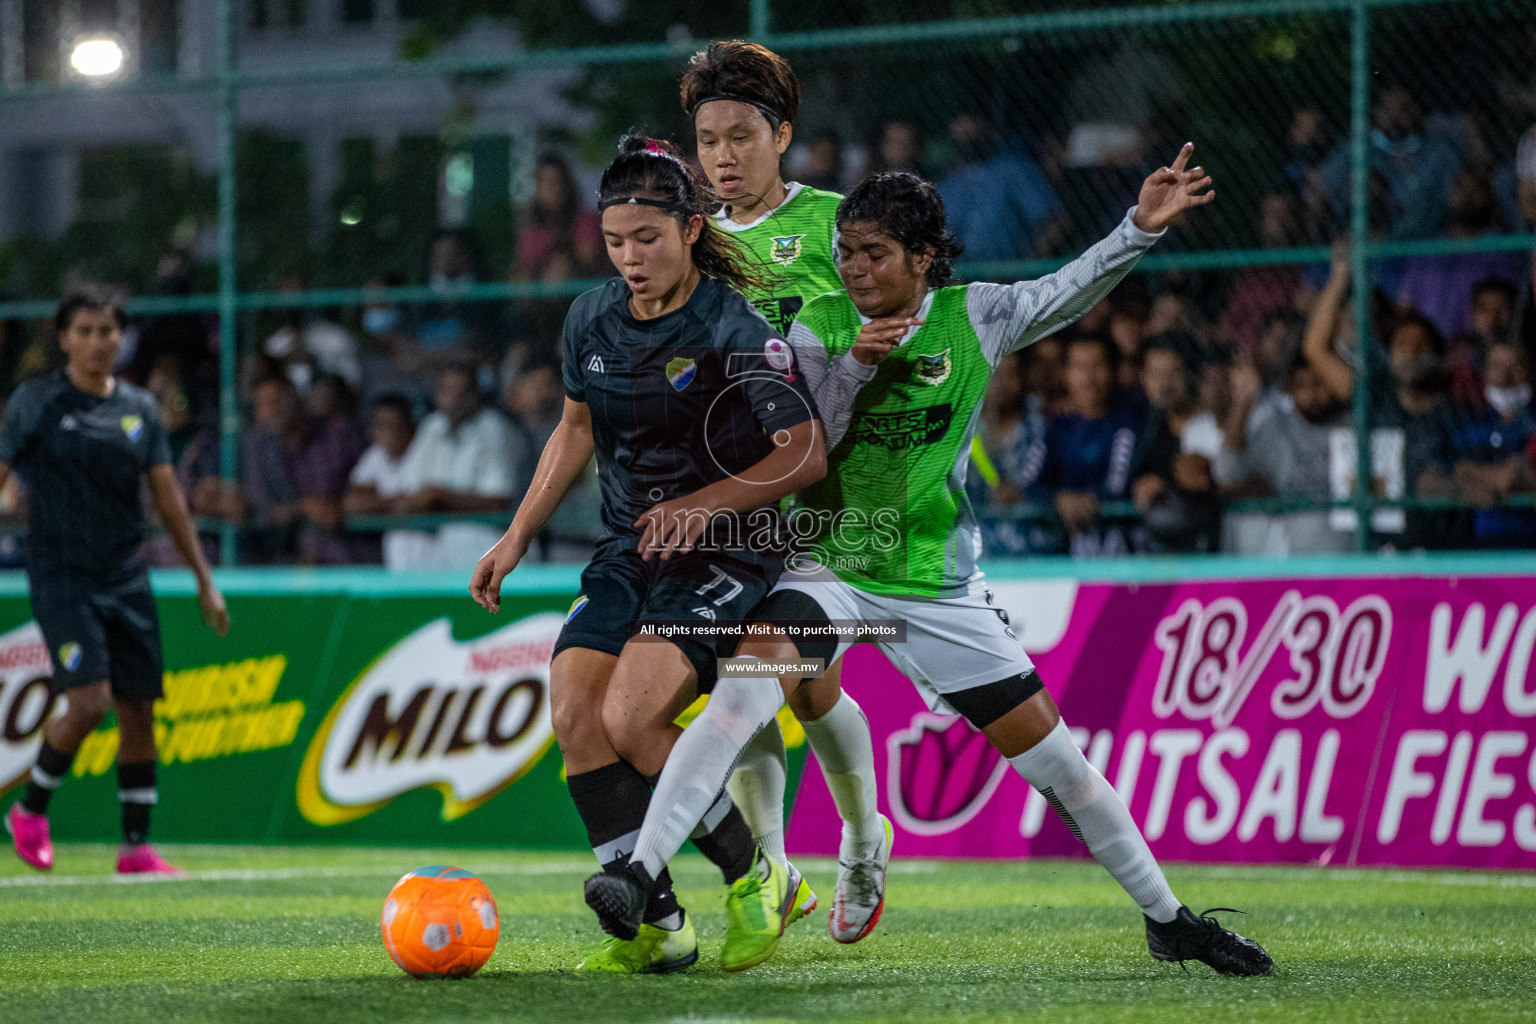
(278,874)
(1257,873)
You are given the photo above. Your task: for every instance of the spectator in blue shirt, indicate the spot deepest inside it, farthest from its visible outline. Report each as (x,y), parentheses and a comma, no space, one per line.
(1489,448)
(1418,166)
(997,201)
(1088,455)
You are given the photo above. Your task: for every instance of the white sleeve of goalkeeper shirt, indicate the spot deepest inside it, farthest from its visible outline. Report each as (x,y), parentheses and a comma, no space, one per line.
(834,383)
(1008,317)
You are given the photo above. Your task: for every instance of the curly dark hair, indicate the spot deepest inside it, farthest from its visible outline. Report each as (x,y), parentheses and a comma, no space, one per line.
(911,211)
(653,172)
(738,70)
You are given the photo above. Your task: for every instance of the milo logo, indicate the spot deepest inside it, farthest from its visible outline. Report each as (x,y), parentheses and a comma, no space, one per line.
(466,718)
(898,431)
(940,773)
(27,700)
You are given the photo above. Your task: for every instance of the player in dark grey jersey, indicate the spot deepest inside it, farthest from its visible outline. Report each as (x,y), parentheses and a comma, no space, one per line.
(84,440)
(700,426)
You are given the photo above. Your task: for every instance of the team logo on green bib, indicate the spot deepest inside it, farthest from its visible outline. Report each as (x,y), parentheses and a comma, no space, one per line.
(786,249)
(933,369)
(680,373)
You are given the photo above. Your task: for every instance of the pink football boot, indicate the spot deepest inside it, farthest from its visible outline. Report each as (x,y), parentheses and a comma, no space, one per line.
(29,834)
(143,860)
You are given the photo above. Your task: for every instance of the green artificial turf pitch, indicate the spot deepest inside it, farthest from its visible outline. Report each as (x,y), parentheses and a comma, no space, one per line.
(292,935)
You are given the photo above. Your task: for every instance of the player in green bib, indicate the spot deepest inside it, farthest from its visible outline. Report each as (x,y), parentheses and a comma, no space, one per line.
(899,364)
(743,99)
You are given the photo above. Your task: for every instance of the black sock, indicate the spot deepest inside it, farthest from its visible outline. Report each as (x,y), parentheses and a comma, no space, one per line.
(52,766)
(612,801)
(727,841)
(136,791)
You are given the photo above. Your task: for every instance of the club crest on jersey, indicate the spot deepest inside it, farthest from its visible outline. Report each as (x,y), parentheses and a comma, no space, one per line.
(133,426)
(680,373)
(786,249)
(70,655)
(933,369)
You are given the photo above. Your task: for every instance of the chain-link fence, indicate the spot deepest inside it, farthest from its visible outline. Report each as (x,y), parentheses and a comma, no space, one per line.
(360,197)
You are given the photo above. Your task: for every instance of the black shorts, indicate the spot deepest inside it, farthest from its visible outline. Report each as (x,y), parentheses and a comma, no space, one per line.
(97,632)
(619,591)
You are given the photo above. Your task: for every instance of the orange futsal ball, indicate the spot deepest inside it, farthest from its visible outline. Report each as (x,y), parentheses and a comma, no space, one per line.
(440,923)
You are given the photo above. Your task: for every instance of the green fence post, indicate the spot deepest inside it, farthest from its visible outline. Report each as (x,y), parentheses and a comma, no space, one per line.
(1359,225)
(229,410)
(758,32)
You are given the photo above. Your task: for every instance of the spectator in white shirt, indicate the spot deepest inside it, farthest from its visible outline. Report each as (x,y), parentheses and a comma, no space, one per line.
(379,476)
(309,346)
(466,460)
(378,480)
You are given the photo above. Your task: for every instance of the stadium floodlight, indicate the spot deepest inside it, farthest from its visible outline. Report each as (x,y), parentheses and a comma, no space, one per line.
(98,58)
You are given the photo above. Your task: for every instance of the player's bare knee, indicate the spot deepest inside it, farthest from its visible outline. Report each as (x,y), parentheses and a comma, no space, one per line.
(622,728)
(773,646)
(88,705)
(578,682)
(576,728)
(1014,713)
(817,695)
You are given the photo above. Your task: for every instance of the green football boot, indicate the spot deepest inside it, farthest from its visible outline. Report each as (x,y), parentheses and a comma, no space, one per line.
(653,951)
(756,910)
(805,899)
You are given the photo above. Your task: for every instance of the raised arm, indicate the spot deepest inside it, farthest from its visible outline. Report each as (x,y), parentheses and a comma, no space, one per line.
(1009,317)
(566,455)
(1317,343)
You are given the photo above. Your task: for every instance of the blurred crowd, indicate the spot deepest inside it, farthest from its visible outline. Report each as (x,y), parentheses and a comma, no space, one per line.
(407,433)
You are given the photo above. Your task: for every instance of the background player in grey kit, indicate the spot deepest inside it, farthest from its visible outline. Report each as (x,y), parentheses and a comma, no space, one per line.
(84,441)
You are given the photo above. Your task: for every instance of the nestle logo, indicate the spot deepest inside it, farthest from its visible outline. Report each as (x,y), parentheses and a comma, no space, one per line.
(28,655)
(511,656)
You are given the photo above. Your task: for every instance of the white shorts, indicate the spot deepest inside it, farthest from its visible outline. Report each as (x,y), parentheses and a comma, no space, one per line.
(952,643)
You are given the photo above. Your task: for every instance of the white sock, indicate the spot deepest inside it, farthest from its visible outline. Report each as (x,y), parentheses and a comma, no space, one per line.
(846,751)
(700,763)
(1095,813)
(757,788)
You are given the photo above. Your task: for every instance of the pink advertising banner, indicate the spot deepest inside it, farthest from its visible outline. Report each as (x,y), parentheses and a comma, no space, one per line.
(1327,721)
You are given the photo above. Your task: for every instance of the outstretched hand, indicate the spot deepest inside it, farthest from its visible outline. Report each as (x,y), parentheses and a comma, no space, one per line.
(1169,191)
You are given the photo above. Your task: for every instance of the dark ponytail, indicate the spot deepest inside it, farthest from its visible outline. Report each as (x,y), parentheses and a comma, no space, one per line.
(650,172)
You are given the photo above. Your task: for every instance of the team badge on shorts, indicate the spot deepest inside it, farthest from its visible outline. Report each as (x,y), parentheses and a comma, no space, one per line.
(576,607)
(933,369)
(133,426)
(680,373)
(69,655)
(786,249)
